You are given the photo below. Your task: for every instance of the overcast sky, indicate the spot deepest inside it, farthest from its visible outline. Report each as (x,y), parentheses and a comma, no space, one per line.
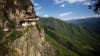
(63,9)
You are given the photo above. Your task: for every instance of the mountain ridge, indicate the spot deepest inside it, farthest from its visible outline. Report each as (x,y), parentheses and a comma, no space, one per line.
(91,23)
(77,39)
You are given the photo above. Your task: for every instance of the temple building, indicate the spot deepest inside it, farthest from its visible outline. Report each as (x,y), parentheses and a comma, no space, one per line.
(28,21)
(30,18)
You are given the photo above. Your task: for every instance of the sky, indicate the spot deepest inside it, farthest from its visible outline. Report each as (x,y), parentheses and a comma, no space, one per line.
(63,9)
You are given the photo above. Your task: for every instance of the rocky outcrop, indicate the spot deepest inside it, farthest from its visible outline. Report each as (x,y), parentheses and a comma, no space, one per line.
(32,41)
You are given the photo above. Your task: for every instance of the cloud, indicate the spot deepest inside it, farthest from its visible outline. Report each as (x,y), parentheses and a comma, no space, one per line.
(59,1)
(85,17)
(87,3)
(81,17)
(64,2)
(62,5)
(73,1)
(65,14)
(70,1)
(37,6)
(46,15)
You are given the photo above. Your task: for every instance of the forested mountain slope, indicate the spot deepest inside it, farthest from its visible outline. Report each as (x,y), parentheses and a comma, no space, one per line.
(71,39)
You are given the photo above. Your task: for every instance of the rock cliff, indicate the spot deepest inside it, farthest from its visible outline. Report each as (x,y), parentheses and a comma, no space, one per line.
(21,41)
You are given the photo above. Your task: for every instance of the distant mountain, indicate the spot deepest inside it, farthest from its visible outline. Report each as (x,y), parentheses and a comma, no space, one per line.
(70,39)
(91,23)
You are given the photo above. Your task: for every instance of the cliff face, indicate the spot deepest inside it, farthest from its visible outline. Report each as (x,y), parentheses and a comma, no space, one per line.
(32,43)
(26,41)
(15,10)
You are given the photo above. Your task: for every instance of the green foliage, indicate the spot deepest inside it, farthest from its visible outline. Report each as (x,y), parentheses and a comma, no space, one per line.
(14,34)
(39,25)
(73,37)
(60,50)
(6,39)
(11,24)
(26,29)
(1,34)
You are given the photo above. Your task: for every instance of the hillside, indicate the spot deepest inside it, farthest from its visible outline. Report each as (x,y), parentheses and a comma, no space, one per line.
(91,23)
(20,34)
(70,39)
